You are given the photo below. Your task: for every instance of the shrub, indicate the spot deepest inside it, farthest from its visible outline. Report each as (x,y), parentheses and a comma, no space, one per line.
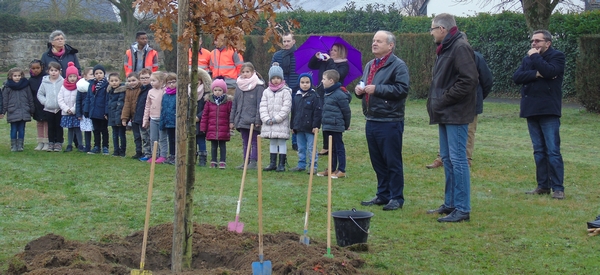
(587,81)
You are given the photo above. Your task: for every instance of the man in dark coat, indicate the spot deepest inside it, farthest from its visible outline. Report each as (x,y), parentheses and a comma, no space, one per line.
(541,74)
(383,92)
(287,61)
(451,105)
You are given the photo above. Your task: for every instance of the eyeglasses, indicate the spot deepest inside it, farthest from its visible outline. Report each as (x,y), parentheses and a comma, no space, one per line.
(431,29)
(537,40)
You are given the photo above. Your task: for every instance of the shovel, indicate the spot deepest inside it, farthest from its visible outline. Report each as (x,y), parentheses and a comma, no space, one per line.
(141,271)
(329,255)
(236,225)
(261,267)
(304,239)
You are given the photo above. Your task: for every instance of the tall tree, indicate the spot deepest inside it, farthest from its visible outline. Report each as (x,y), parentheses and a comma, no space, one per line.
(411,7)
(131,19)
(231,19)
(537,12)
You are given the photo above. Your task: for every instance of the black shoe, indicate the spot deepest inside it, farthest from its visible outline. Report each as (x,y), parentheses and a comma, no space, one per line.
(137,155)
(441,210)
(374,201)
(455,216)
(538,191)
(392,205)
(69,149)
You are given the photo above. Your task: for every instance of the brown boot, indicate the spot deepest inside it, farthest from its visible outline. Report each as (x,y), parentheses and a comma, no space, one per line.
(436,163)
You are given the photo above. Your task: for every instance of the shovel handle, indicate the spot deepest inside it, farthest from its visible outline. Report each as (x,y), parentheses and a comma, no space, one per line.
(148,203)
(310,180)
(249,146)
(260,212)
(329,193)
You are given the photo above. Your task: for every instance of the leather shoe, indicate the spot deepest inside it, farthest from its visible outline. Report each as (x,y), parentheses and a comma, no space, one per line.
(374,201)
(455,216)
(538,191)
(441,210)
(559,195)
(436,163)
(392,205)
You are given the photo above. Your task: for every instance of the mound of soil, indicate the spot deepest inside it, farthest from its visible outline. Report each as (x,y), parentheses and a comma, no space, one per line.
(215,251)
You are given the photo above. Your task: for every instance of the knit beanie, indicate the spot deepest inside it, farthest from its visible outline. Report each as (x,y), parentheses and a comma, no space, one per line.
(71,69)
(98,67)
(309,75)
(219,83)
(275,71)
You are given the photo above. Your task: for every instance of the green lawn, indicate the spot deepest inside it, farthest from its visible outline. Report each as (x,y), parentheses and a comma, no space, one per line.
(85,197)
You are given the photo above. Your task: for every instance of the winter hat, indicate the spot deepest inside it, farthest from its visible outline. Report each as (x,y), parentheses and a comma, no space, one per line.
(219,83)
(98,67)
(309,75)
(71,69)
(275,71)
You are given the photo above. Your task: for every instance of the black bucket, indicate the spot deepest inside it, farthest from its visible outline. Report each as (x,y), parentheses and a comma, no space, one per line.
(351,226)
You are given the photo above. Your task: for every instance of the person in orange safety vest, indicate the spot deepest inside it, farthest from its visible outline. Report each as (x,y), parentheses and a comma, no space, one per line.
(225,61)
(140,55)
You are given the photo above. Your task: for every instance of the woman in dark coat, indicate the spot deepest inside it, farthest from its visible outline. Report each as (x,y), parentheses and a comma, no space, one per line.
(60,52)
(335,60)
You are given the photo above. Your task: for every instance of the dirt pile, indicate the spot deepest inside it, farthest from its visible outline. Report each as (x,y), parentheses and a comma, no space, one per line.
(215,251)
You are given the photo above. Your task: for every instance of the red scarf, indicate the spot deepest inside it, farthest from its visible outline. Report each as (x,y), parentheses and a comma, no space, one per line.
(451,33)
(375,66)
(70,86)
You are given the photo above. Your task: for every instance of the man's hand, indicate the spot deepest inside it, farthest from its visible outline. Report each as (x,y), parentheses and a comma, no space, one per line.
(538,75)
(532,51)
(370,89)
(359,90)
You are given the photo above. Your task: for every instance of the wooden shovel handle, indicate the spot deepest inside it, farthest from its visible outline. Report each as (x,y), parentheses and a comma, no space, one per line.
(148,203)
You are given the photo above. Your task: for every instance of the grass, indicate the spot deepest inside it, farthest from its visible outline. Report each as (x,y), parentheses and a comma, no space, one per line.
(84,197)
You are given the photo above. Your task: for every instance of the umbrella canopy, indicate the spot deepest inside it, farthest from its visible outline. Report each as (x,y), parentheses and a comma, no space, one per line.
(323,44)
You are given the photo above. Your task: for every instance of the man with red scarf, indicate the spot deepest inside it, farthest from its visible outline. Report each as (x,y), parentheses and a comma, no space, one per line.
(451,104)
(383,93)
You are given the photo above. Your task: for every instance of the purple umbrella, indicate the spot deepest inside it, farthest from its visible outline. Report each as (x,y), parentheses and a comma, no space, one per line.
(323,44)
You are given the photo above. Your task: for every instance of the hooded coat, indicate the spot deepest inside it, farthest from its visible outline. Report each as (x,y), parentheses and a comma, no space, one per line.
(48,93)
(246,105)
(215,118)
(17,103)
(276,106)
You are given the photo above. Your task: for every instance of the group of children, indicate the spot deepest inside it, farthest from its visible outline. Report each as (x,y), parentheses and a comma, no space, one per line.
(147,102)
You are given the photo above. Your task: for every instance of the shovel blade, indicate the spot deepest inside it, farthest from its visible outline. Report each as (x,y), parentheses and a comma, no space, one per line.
(140,272)
(304,240)
(235,226)
(264,268)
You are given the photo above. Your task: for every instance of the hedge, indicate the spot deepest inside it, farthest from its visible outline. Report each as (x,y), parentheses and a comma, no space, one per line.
(587,81)
(10,23)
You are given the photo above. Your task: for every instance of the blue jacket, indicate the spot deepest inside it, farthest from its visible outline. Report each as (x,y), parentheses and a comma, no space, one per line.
(541,95)
(336,110)
(96,101)
(168,111)
(287,62)
(116,100)
(306,111)
(486,80)
(138,117)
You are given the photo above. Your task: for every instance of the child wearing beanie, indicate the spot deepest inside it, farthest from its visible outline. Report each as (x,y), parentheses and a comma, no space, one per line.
(67,98)
(215,121)
(95,106)
(306,121)
(275,108)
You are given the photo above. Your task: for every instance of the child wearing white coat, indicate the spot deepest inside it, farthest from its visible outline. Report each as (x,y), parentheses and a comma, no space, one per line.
(67,98)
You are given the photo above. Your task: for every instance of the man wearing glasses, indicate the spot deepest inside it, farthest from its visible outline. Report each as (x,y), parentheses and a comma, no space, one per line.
(541,74)
(451,104)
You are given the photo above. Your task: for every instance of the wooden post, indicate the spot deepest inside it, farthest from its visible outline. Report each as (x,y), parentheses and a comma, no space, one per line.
(183,78)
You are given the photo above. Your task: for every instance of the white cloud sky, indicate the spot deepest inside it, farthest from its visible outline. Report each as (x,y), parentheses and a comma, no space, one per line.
(470,9)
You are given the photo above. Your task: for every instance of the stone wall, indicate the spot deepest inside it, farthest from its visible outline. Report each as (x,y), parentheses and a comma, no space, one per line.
(18,49)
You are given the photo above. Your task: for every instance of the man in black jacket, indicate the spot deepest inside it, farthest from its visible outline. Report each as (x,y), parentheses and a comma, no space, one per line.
(383,93)
(541,74)
(451,105)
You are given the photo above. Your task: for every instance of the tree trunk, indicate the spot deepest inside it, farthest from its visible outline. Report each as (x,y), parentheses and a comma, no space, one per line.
(181,140)
(537,13)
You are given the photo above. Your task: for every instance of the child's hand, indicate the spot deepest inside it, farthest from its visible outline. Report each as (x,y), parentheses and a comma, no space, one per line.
(105,117)
(145,125)
(197,119)
(315,130)
(231,126)
(1,116)
(124,122)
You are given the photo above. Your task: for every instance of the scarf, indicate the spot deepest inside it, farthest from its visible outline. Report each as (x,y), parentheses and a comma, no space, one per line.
(219,99)
(247,84)
(99,85)
(286,60)
(333,87)
(70,86)
(375,66)
(17,85)
(170,91)
(58,53)
(276,88)
(453,31)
